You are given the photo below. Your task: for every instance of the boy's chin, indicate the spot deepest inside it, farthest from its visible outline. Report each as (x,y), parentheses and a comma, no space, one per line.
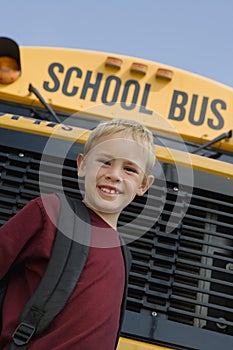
(107,208)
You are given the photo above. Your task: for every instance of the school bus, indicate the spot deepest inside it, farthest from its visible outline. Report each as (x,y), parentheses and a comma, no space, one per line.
(181,281)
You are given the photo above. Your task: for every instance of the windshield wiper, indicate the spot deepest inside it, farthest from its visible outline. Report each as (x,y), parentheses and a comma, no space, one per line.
(41,99)
(226,135)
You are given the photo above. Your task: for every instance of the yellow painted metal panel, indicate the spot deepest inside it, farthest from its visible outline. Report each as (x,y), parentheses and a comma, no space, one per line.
(128,344)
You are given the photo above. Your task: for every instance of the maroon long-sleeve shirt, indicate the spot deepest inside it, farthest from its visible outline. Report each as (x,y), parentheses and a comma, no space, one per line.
(90,320)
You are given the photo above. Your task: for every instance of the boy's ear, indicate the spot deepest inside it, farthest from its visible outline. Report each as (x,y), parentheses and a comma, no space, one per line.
(146,184)
(81,165)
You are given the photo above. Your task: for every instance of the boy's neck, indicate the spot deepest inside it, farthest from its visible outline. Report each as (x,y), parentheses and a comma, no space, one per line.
(110,219)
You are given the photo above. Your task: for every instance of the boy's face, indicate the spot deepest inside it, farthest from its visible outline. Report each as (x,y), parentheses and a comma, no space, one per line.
(114,172)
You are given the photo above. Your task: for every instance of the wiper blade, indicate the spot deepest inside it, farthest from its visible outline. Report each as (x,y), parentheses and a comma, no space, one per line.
(41,99)
(226,135)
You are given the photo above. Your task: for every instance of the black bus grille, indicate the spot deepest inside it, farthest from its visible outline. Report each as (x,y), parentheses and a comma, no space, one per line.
(185,275)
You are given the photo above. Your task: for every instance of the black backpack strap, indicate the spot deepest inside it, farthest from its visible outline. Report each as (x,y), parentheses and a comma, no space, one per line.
(3,288)
(66,263)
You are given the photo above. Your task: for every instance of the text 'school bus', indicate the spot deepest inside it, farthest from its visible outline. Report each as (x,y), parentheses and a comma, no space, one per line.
(181,282)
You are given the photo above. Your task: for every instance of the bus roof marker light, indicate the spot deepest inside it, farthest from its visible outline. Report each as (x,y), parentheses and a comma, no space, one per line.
(9,61)
(165,74)
(139,68)
(113,62)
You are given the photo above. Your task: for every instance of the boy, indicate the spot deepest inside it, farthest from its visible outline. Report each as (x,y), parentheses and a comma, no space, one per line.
(116,165)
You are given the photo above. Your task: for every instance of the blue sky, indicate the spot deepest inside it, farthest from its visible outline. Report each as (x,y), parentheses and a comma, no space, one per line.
(194,35)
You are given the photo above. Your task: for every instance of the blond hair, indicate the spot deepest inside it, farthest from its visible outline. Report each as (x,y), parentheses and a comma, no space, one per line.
(137,131)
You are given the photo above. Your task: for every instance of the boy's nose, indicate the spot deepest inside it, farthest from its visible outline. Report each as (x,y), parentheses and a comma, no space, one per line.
(114,173)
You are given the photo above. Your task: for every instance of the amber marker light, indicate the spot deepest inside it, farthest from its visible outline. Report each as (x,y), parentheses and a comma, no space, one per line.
(165,74)
(9,70)
(113,62)
(139,68)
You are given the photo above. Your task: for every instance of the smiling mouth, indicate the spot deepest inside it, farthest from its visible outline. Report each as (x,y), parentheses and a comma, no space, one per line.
(109,190)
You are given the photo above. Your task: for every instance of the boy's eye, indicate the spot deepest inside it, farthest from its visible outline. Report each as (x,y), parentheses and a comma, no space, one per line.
(104,161)
(131,169)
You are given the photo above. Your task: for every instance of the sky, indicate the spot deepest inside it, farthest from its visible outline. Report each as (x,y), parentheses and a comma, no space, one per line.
(193,35)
